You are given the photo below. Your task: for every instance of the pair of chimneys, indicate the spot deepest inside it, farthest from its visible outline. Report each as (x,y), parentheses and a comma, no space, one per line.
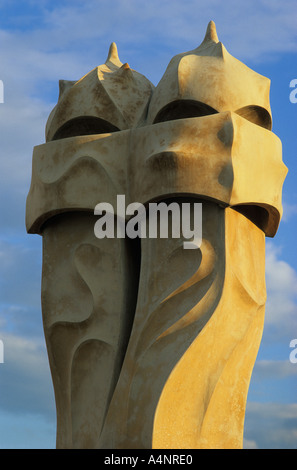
(203,81)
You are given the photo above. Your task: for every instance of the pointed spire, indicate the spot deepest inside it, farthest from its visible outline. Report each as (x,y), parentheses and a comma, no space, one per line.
(211,43)
(65,85)
(113,56)
(125,72)
(126,66)
(210,37)
(211,33)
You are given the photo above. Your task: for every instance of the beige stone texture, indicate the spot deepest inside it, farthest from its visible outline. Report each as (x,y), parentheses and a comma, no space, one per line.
(221,356)
(195,336)
(88,296)
(111,97)
(208,79)
(214,157)
(152,345)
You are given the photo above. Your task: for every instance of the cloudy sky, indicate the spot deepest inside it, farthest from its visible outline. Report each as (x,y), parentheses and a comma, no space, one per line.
(44,41)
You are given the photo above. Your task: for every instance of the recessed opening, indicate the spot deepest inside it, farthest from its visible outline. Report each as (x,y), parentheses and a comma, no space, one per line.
(256,214)
(182,109)
(84,125)
(256,115)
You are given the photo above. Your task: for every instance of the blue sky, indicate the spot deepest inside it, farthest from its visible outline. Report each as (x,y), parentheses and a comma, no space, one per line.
(44,41)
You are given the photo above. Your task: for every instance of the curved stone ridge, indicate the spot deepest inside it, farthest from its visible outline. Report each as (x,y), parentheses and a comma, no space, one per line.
(213,157)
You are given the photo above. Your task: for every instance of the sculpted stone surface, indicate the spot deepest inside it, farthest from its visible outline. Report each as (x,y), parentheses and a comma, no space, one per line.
(152,345)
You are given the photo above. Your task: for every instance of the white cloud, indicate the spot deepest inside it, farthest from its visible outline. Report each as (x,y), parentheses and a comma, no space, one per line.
(281,282)
(274,369)
(22,124)
(74,38)
(249,444)
(20,273)
(279,274)
(290,211)
(26,354)
(271,425)
(26,385)
(75,35)
(26,431)
(254,28)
